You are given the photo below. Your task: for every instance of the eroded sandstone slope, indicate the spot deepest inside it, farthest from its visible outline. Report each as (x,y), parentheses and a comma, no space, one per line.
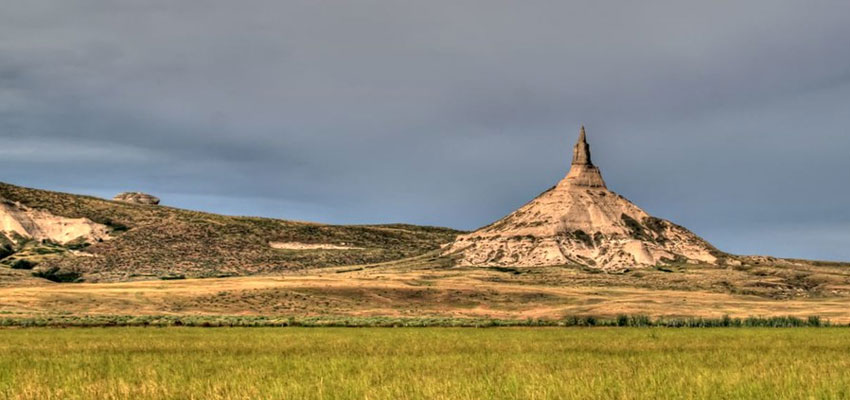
(580,221)
(18,220)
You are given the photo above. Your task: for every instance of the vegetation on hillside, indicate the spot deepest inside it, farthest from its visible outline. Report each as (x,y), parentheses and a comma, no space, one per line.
(156,241)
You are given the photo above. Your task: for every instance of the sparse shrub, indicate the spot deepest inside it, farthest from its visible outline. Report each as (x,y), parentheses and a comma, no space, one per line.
(6,250)
(598,238)
(57,274)
(116,227)
(814,321)
(77,244)
(23,264)
(640,321)
(656,225)
(583,237)
(388,322)
(508,270)
(826,279)
(636,229)
(47,250)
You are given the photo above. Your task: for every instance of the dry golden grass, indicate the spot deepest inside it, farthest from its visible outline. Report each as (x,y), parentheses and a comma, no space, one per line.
(420,288)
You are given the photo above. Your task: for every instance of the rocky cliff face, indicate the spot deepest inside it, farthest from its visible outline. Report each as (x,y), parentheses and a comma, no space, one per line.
(580,221)
(28,223)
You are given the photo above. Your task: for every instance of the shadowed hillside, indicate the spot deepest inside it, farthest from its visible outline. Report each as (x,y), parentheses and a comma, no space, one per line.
(146,241)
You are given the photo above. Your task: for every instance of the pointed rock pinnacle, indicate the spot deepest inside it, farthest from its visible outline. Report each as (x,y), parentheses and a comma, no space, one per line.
(583,173)
(580,221)
(581,151)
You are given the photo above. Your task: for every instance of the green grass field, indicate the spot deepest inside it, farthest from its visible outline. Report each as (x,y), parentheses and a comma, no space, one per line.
(409,363)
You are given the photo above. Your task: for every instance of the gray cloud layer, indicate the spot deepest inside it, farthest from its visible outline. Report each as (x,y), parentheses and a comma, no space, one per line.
(728,117)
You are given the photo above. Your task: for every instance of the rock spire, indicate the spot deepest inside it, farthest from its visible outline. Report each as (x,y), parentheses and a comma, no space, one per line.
(581,222)
(583,172)
(581,151)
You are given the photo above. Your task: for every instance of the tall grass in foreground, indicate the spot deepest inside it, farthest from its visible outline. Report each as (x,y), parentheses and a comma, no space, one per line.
(336,363)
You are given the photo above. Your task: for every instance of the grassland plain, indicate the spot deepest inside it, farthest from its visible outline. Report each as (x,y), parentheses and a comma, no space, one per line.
(424,363)
(476,293)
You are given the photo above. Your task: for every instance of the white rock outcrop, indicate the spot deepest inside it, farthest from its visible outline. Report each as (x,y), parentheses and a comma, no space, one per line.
(26,222)
(137,198)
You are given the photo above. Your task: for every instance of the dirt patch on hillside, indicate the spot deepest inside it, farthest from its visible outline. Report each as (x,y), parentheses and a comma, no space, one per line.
(310,246)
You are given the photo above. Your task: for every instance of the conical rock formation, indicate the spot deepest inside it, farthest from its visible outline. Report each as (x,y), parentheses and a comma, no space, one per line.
(580,221)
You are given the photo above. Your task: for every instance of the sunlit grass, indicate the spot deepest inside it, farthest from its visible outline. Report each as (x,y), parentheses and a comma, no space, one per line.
(403,363)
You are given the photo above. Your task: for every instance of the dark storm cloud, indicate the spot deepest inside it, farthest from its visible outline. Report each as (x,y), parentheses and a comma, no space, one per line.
(728,117)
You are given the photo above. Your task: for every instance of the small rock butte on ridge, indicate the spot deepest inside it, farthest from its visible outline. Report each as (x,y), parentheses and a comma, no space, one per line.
(579,221)
(137,198)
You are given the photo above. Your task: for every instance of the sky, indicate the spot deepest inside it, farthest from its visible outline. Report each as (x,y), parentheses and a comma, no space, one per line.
(731,118)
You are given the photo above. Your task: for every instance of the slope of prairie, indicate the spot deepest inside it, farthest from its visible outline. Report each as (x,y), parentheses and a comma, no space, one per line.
(156,241)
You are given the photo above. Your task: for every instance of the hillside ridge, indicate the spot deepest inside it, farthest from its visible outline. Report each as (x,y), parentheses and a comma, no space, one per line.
(151,241)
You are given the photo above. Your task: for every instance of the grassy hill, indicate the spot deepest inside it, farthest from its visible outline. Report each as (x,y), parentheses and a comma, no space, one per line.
(164,242)
(382,271)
